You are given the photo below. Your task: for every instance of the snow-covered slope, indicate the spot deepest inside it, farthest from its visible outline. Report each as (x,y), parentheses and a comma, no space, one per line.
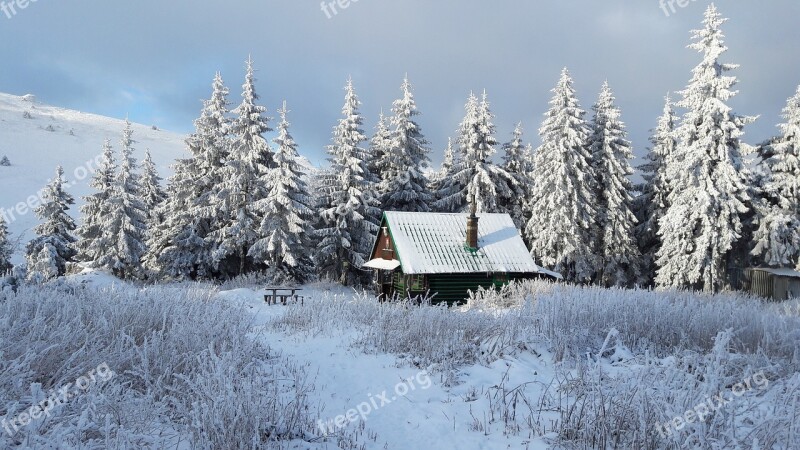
(54,136)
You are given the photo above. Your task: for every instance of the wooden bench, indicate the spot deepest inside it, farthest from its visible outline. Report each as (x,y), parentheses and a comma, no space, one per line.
(282,295)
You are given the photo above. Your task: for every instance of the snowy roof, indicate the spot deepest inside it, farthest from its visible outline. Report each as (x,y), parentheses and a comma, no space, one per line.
(432,243)
(382,264)
(782,272)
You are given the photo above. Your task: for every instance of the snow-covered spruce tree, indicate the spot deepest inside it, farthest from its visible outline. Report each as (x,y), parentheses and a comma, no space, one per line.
(43,265)
(49,253)
(377,160)
(405,185)
(6,249)
(611,155)
(451,195)
(92,243)
(176,247)
(777,240)
(475,176)
(284,229)
(152,194)
(709,195)
(652,202)
(242,186)
(449,189)
(4,161)
(125,227)
(517,162)
(379,147)
(437,179)
(344,231)
(563,203)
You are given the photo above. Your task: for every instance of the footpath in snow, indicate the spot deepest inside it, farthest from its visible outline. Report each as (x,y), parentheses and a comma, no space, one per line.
(396,406)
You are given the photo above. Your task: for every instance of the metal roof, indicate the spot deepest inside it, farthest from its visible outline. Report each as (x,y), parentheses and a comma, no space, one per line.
(789,273)
(435,243)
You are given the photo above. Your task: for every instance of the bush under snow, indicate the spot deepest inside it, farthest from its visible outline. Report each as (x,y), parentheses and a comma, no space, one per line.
(187,372)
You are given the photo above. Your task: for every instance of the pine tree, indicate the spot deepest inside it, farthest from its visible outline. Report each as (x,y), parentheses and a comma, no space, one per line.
(284,229)
(126,225)
(451,194)
(378,161)
(345,232)
(703,222)
(652,203)
(6,250)
(563,204)
(440,177)
(611,155)
(152,194)
(517,162)
(247,164)
(91,244)
(177,246)
(49,253)
(43,263)
(405,185)
(474,175)
(379,148)
(777,241)
(449,158)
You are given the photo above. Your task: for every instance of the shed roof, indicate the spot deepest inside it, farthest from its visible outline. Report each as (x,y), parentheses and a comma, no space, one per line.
(435,243)
(789,273)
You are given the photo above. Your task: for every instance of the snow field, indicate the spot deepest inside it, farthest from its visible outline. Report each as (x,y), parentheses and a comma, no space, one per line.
(536,366)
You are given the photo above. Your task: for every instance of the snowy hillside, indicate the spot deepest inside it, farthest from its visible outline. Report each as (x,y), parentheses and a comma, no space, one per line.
(37,137)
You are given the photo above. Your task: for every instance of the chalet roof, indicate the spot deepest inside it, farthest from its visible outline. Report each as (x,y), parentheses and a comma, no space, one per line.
(434,243)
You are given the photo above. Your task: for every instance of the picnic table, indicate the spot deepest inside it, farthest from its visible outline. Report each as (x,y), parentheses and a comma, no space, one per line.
(282,294)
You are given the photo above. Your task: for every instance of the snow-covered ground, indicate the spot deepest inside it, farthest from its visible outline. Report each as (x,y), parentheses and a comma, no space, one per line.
(404,407)
(540,366)
(496,376)
(55,136)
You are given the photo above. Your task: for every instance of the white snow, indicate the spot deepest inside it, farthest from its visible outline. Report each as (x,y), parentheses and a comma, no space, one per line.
(430,415)
(429,243)
(382,264)
(35,152)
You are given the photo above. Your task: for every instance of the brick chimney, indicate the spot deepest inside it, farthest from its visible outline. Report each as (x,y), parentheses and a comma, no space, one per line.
(472,226)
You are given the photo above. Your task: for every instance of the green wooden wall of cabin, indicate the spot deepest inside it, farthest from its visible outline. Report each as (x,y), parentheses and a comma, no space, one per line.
(452,288)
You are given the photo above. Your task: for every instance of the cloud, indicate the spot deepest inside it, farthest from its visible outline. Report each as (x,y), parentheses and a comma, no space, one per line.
(155,60)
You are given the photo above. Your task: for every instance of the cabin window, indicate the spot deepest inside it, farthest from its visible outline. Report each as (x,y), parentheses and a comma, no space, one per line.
(387,240)
(417,283)
(500,278)
(385,276)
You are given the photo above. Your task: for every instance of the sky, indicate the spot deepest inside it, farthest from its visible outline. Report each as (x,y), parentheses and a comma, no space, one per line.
(154,60)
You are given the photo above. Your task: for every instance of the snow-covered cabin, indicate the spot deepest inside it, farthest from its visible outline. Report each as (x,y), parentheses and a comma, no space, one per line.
(448,255)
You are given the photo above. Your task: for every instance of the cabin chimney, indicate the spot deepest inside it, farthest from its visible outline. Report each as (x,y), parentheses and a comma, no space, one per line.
(472,226)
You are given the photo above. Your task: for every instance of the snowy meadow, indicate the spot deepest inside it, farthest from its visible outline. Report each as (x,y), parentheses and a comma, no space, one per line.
(627,365)
(537,365)
(187,373)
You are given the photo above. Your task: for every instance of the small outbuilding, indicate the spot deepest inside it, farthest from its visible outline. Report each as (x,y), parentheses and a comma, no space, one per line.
(445,256)
(772,284)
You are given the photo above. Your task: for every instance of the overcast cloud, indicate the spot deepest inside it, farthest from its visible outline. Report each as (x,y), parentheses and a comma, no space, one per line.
(154,60)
